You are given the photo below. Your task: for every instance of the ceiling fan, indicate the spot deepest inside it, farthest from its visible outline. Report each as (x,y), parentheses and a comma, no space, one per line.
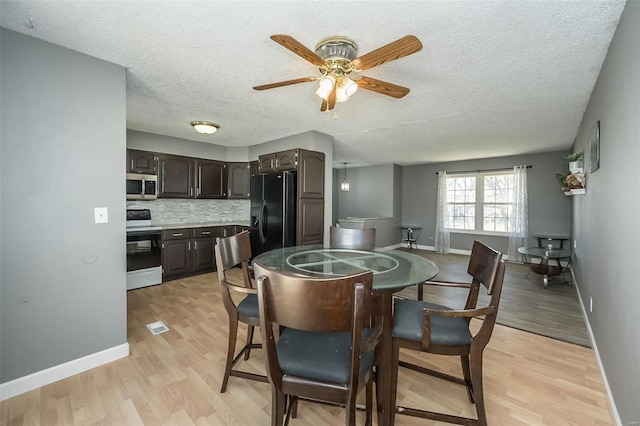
(337,57)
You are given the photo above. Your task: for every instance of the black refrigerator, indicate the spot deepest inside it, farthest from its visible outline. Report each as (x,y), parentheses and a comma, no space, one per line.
(273,211)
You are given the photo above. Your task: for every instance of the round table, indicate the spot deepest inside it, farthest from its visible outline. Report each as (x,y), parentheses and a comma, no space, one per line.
(393,270)
(543,268)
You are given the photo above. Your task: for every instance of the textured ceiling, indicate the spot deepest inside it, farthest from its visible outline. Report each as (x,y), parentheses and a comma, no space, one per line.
(494,78)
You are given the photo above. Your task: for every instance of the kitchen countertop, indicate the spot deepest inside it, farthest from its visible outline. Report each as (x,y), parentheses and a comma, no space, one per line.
(199,224)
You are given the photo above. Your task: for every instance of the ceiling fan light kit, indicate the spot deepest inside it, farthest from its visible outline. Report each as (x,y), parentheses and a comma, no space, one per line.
(336,57)
(205,127)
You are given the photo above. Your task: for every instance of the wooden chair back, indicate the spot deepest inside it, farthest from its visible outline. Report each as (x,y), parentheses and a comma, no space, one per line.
(357,239)
(313,304)
(232,251)
(483,267)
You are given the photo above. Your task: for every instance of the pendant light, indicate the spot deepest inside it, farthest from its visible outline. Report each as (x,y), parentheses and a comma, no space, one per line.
(344,186)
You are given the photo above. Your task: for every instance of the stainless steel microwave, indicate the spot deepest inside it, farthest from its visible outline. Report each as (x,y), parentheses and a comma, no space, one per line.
(142,187)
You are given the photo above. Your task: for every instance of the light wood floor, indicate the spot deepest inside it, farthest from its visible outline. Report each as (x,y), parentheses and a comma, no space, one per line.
(174,378)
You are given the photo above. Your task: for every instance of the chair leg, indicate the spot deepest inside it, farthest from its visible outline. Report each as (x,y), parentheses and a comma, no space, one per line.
(250,329)
(368,402)
(278,400)
(395,362)
(464,360)
(476,379)
(420,291)
(231,349)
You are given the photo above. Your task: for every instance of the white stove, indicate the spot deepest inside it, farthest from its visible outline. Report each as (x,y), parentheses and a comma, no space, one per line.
(144,253)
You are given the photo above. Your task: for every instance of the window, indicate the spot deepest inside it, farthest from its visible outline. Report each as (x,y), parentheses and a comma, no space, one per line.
(480,202)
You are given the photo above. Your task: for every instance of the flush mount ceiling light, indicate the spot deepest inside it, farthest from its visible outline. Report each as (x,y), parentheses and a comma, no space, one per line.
(344,186)
(205,127)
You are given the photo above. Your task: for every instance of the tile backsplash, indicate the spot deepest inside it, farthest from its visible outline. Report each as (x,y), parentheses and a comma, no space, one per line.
(175,211)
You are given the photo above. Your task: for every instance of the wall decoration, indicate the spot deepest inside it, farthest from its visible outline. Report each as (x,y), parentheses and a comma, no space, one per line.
(594,160)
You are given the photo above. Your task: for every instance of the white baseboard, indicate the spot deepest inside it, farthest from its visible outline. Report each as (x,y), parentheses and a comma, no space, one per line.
(62,371)
(603,374)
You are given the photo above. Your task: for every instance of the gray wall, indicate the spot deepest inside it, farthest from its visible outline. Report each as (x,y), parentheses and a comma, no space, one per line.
(374,192)
(371,191)
(63,282)
(549,208)
(605,219)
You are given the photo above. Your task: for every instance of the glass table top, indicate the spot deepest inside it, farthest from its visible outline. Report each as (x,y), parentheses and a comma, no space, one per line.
(544,252)
(391,268)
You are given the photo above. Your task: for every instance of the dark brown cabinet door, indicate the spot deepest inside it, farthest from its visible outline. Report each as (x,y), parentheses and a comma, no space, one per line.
(211,179)
(203,255)
(287,160)
(310,221)
(176,258)
(267,163)
(238,180)
(311,174)
(254,168)
(175,176)
(141,162)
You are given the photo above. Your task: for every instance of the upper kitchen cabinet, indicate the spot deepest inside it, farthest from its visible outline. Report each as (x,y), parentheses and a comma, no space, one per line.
(310,174)
(254,168)
(239,177)
(141,162)
(278,161)
(175,176)
(211,179)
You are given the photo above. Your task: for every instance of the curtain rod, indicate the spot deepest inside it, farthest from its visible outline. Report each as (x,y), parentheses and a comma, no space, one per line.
(485,170)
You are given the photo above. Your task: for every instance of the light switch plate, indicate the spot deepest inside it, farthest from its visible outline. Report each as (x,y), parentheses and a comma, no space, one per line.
(101,214)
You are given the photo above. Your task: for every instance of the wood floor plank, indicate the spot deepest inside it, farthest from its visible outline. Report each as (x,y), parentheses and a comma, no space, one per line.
(174,378)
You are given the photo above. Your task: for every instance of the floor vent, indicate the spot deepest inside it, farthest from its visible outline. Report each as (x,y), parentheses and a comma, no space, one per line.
(157,327)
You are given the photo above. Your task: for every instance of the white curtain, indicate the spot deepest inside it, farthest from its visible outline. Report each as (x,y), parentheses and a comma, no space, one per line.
(442,232)
(519,220)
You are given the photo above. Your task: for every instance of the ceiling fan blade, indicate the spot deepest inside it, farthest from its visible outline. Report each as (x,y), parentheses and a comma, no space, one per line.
(329,103)
(383,87)
(331,100)
(285,83)
(392,51)
(298,48)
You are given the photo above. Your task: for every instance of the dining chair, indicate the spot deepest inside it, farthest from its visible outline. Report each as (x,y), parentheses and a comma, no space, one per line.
(438,329)
(327,339)
(231,252)
(357,239)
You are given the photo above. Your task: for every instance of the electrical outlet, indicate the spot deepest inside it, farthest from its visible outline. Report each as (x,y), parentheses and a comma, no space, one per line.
(161,207)
(101,215)
(590,304)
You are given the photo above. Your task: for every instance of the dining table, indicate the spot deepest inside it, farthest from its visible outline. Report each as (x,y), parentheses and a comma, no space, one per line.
(393,270)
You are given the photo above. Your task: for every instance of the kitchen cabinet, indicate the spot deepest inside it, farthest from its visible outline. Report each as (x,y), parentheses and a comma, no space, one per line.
(254,168)
(238,175)
(310,225)
(142,162)
(204,241)
(175,176)
(211,179)
(278,161)
(176,253)
(190,251)
(310,174)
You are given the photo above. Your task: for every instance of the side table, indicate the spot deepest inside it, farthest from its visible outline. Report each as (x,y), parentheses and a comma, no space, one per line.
(548,272)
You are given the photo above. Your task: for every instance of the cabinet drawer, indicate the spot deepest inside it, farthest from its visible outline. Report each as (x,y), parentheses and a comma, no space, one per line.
(208,231)
(176,234)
